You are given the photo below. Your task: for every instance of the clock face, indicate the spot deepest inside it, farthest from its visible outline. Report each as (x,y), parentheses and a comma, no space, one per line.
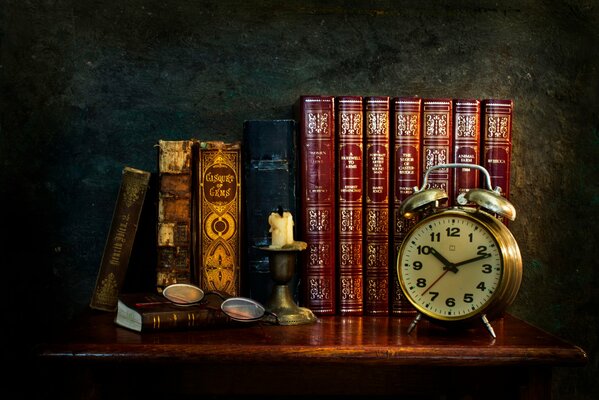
(450,266)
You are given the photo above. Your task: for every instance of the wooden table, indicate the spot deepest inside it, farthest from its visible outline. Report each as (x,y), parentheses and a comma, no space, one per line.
(336,356)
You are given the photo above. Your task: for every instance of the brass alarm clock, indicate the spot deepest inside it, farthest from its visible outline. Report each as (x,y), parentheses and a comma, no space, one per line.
(460,264)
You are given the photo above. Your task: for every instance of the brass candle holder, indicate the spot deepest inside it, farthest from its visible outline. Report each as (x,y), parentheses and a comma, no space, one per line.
(282,267)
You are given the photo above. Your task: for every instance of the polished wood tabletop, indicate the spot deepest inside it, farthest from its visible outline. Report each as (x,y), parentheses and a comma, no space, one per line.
(331,340)
(95,359)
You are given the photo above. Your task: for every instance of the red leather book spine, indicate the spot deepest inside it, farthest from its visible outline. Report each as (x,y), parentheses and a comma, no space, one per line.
(317,221)
(350,172)
(497,142)
(466,145)
(376,207)
(437,146)
(405,131)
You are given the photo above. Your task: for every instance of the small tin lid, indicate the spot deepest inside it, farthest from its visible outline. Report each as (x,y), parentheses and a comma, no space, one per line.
(183,293)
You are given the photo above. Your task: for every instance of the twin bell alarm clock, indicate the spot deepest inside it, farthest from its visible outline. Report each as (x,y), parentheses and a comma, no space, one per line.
(461,264)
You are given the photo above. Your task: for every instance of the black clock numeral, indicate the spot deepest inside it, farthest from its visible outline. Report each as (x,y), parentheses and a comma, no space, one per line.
(470,237)
(481,286)
(417,265)
(450,302)
(482,251)
(421,282)
(434,295)
(435,236)
(423,250)
(487,268)
(453,232)
(468,297)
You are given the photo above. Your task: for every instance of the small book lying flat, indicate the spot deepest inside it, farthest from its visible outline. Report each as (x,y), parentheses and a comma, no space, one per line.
(144,312)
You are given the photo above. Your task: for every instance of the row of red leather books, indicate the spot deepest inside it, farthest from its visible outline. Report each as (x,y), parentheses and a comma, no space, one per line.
(360,158)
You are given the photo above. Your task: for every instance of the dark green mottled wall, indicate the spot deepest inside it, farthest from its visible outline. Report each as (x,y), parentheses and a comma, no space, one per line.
(87,87)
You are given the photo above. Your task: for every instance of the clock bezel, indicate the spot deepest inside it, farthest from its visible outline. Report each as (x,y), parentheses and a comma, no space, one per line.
(511,260)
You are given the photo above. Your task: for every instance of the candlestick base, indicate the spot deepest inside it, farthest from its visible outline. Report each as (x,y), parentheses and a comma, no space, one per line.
(281,303)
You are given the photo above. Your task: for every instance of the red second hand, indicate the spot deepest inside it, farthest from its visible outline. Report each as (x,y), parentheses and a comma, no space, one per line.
(437,280)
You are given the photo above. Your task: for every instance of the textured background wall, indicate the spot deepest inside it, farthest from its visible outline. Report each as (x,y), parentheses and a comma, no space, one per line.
(90,86)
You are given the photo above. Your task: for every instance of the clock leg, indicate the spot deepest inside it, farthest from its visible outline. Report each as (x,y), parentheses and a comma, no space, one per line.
(414,322)
(488,325)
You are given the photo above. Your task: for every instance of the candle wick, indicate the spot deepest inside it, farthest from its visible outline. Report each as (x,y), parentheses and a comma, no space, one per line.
(280,211)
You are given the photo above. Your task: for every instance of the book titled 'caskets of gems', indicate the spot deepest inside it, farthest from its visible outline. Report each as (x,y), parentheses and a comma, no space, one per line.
(218,216)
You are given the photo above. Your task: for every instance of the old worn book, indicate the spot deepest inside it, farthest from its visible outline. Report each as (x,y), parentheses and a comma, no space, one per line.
(144,312)
(437,143)
(405,132)
(316,115)
(349,136)
(466,145)
(497,142)
(117,251)
(174,213)
(218,218)
(376,205)
(270,180)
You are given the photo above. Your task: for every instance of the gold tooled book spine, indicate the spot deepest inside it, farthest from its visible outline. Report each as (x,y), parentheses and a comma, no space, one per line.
(121,236)
(219,206)
(376,205)
(406,128)
(350,176)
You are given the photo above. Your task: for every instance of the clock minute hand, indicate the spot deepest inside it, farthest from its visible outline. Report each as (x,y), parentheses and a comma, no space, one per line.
(470,260)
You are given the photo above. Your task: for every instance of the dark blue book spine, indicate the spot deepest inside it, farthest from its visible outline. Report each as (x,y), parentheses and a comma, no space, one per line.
(270,174)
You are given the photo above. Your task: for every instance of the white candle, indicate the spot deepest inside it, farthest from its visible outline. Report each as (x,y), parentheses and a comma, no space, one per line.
(281,228)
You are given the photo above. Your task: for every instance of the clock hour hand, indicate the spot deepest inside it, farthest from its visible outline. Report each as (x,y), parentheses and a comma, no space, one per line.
(446,264)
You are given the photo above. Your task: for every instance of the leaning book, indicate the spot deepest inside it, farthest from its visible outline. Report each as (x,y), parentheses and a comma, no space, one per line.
(144,312)
(119,244)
